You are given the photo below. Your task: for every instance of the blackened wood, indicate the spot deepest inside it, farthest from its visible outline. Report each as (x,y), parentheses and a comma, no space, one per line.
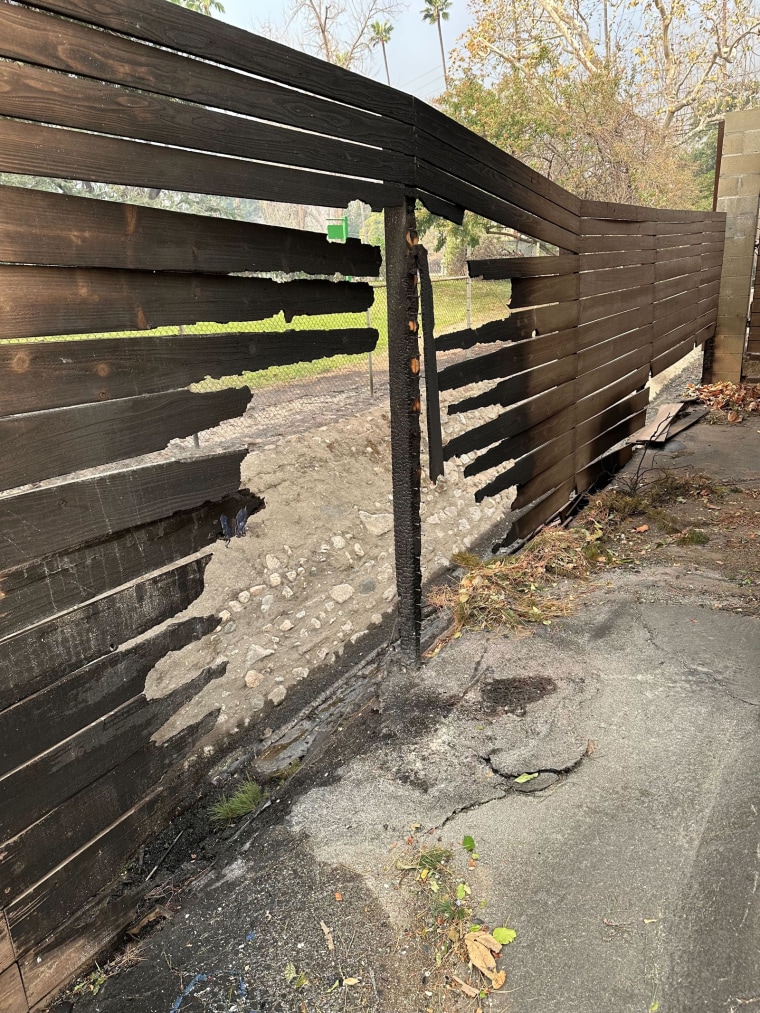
(215,41)
(443,184)
(593,283)
(674,337)
(71,513)
(522,417)
(432,400)
(667,322)
(499,268)
(515,358)
(605,227)
(55,374)
(523,443)
(37,227)
(12,995)
(42,655)
(596,307)
(710,223)
(40,150)
(403,353)
(621,258)
(40,721)
(6,949)
(522,386)
(32,854)
(671,287)
(517,327)
(607,351)
(74,48)
(539,515)
(44,96)
(601,471)
(559,473)
(72,948)
(538,291)
(676,353)
(440,128)
(441,208)
(612,244)
(639,213)
(62,300)
(47,781)
(545,456)
(41,588)
(610,327)
(70,439)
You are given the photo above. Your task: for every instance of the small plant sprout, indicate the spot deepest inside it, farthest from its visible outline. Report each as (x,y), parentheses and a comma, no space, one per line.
(245,800)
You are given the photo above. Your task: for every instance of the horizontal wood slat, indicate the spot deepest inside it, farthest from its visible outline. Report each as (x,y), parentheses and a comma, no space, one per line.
(43,96)
(39,589)
(12,995)
(40,150)
(44,444)
(7,955)
(31,791)
(530,521)
(613,326)
(444,184)
(58,230)
(32,854)
(596,307)
(214,41)
(62,300)
(619,279)
(500,268)
(615,244)
(673,355)
(522,386)
(505,362)
(519,326)
(539,291)
(37,657)
(601,261)
(68,514)
(54,374)
(638,213)
(39,722)
(75,48)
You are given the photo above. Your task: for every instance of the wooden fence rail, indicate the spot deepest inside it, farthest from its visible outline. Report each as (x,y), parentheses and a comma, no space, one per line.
(154,96)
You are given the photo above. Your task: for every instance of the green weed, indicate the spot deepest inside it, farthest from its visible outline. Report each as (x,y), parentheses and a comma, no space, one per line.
(244,800)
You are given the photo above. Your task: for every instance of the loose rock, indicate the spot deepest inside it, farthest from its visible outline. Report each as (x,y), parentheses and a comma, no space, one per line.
(277,695)
(341,593)
(376,524)
(253,678)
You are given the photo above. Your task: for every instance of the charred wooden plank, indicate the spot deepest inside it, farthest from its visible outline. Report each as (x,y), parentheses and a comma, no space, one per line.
(515,358)
(44,96)
(40,150)
(602,470)
(68,514)
(7,955)
(32,854)
(517,327)
(618,279)
(55,374)
(214,41)
(62,300)
(673,355)
(547,455)
(596,307)
(44,654)
(539,291)
(539,515)
(522,386)
(61,709)
(75,48)
(639,213)
(70,439)
(31,791)
(608,351)
(442,208)
(523,416)
(41,588)
(601,261)
(59,230)
(500,268)
(610,327)
(589,244)
(498,208)
(12,994)
(612,227)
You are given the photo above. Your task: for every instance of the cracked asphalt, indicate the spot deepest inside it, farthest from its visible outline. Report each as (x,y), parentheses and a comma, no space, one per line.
(630,876)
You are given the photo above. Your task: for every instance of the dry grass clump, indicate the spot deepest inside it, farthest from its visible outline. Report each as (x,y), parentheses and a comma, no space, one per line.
(510,593)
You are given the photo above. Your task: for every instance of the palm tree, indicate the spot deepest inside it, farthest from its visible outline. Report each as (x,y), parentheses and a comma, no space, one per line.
(436,11)
(381,35)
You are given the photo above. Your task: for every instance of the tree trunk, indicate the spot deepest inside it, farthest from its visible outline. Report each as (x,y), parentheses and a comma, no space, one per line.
(443,54)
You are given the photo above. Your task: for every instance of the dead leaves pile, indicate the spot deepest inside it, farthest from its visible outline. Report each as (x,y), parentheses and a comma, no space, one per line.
(732,401)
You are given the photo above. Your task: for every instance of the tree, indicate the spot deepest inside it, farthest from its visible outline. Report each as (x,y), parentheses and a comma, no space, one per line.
(339,31)
(381,36)
(201,6)
(675,61)
(434,12)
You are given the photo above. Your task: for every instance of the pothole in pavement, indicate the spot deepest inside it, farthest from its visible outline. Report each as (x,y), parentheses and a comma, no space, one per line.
(514,695)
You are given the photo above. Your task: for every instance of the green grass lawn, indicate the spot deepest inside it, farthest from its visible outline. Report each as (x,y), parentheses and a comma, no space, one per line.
(489,302)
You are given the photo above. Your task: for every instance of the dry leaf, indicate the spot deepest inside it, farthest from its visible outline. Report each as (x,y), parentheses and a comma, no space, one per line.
(487,939)
(339,896)
(590,748)
(328,936)
(467,989)
(498,979)
(734,417)
(642,529)
(351,981)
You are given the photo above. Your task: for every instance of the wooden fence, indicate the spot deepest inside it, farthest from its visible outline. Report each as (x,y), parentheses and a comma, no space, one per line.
(93,567)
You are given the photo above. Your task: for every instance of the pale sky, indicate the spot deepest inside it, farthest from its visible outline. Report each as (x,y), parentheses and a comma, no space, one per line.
(414,56)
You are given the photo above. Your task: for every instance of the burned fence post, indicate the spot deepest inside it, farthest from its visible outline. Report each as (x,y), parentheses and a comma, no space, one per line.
(404,381)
